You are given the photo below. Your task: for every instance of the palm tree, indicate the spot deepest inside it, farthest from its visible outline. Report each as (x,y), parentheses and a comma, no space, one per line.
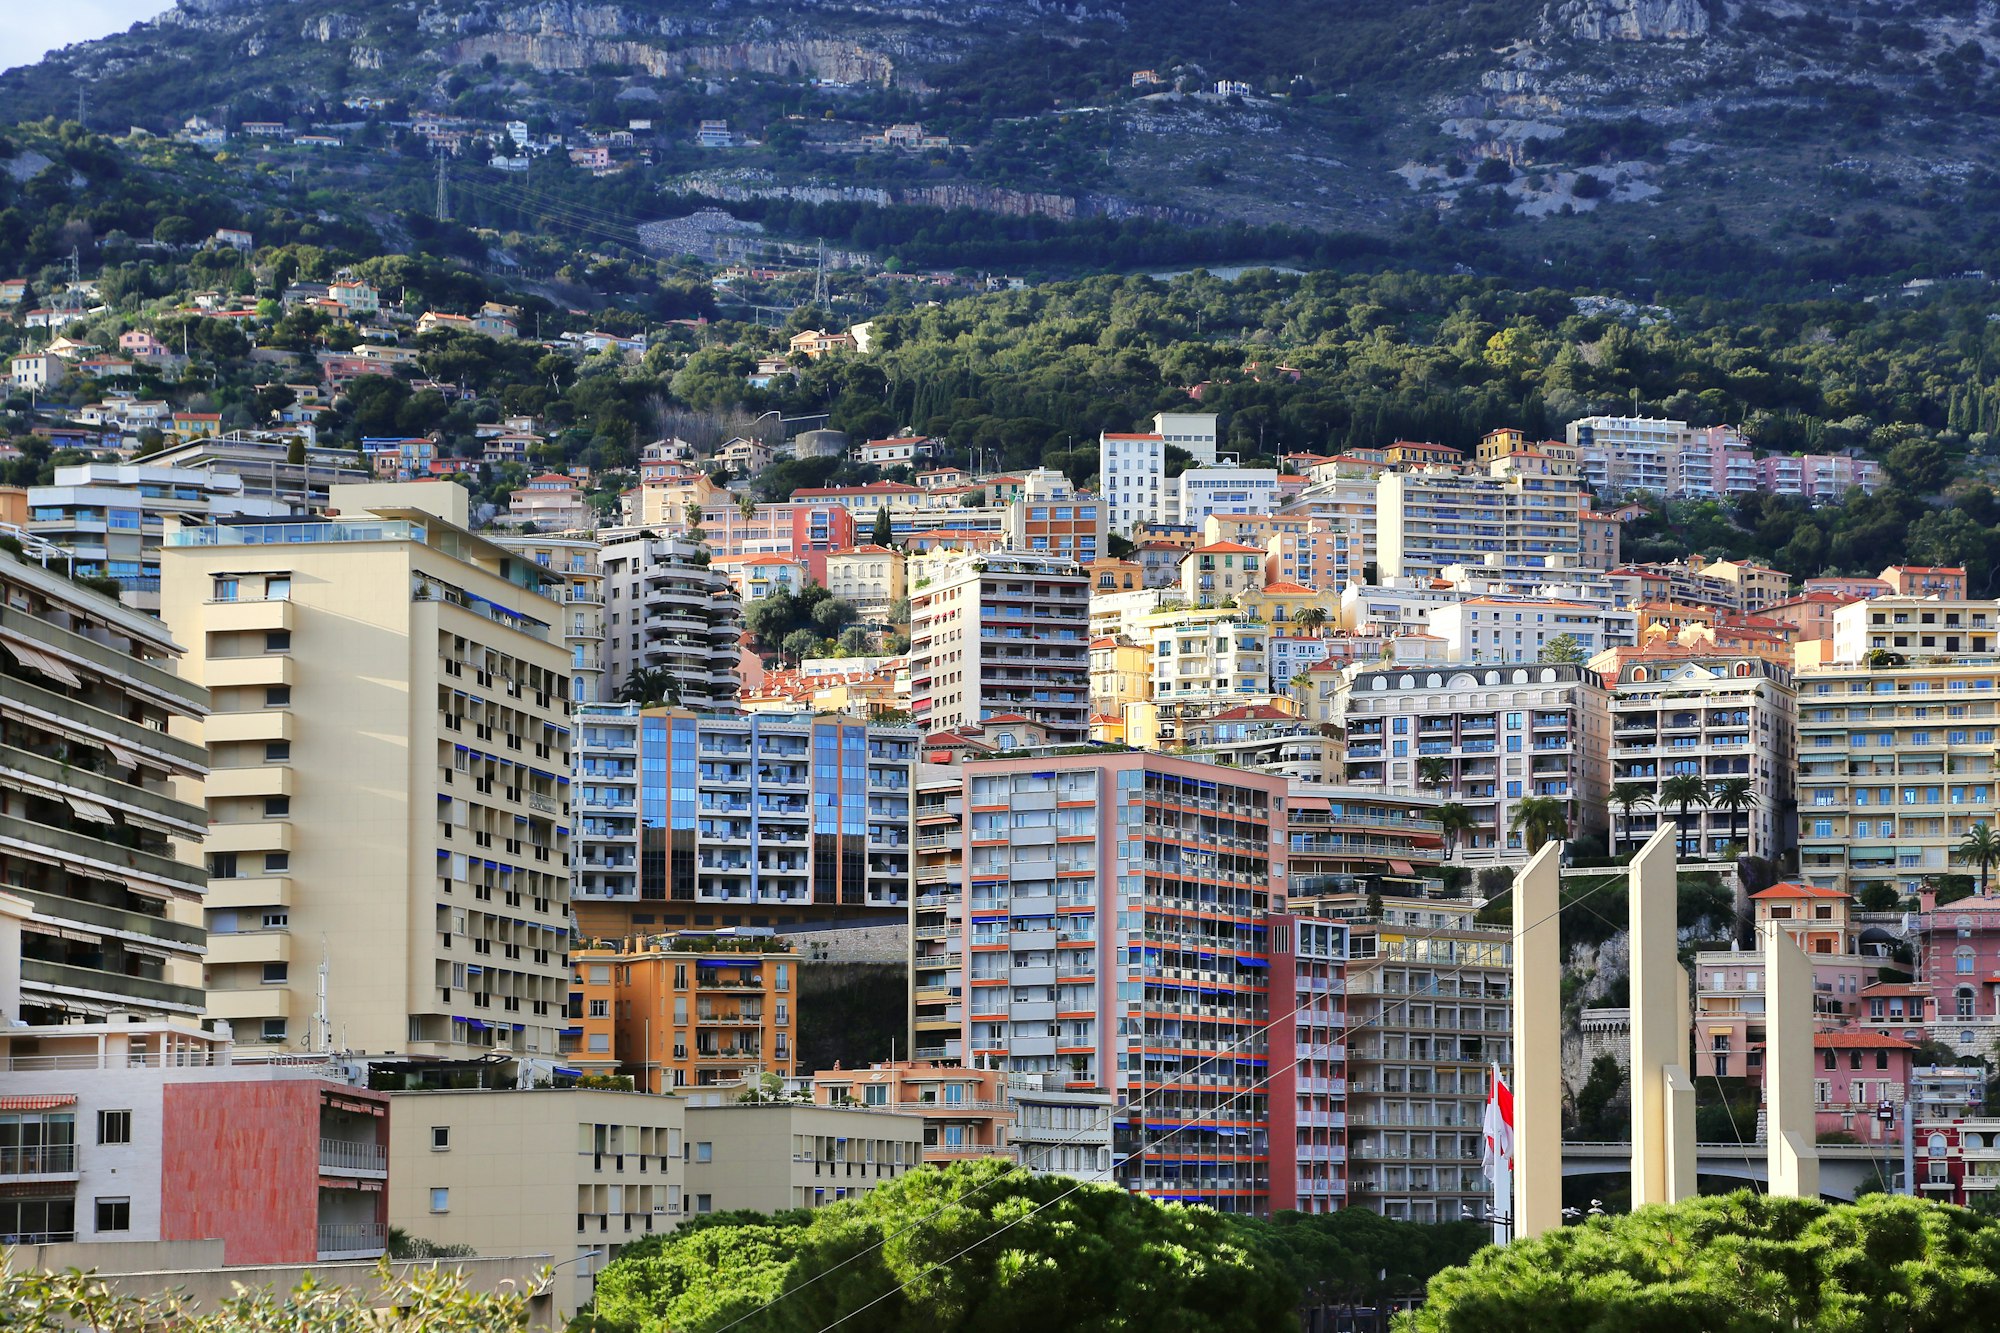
(1455,821)
(1734,795)
(1434,774)
(1541,820)
(1310,620)
(650,685)
(1629,796)
(746,505)
(1982,848)
(1685,790)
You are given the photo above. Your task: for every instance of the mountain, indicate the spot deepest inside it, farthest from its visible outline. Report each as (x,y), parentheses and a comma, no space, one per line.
(1832,140)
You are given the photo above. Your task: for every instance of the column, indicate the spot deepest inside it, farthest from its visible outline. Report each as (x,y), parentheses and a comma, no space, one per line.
(1537,998)
(1791,1130)
(1663,1151)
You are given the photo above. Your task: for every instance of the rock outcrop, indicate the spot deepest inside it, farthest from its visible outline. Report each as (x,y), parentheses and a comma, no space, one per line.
(1633,20)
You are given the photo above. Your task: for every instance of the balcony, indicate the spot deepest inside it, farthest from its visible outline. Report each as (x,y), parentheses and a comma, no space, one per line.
(72,981)
(38,1159)
(348,1157)
(351,1240)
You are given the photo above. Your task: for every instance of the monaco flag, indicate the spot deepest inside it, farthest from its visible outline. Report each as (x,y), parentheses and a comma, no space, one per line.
(1499,1125)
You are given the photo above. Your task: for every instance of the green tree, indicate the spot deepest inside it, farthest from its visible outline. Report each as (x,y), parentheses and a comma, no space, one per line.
(1629,796)
(1310,620)
(884,534)
(1734,796)
(1562,648)
(1685,790)
(1541,820)
(1981,848)
(650,685)
(1434,774)
(801,644)
(966,1247)
(1454,821)
(1735,1263)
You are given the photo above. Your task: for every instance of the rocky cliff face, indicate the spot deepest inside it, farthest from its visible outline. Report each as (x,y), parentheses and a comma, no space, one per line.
(1633,20)
(840,62)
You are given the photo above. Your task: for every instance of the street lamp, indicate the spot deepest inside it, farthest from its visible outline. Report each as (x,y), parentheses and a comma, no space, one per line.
(549,1274)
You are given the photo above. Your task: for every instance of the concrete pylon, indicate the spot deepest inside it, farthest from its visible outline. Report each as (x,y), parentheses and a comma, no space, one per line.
(1663,1151)
(1537,994)
(1790,1130)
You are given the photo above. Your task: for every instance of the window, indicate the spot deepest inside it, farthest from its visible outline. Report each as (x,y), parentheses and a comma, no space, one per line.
(278,588)
(222,865)
(114,1126)
(273,1029)
(277,863)
(276,974)
(278,641)
(440,1138)
(600,1008)
(277,920)
(223,590)
(703,1204)
(277,807)
(704,1152)
(114,1214)
(277,752)
(440,1200)
(277,696)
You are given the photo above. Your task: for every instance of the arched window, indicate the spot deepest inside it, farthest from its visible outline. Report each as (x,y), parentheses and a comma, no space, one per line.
(1964,1001)
(1639,673)
(1937,1145)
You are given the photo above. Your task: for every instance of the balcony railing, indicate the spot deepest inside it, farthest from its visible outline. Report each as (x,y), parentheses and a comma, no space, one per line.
(37,1159)
(343,1155)
(351,1238)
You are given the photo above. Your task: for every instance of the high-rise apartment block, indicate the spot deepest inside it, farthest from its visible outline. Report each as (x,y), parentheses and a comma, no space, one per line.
(1002,633)
(664,612)
(1498,735)
(580,589)
(1896,742)
(388,797)
(1108,925)
(1678,712)
(688,1011)
(1517,528)
(689,820)
(100,815)
(1132,478)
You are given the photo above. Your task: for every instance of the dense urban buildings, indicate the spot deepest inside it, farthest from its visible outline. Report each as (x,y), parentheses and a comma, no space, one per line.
(1007,633)
(427,914)
(667,613)
(684,1011)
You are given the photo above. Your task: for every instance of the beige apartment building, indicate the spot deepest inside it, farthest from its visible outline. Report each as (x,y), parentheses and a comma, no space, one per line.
(869,577)
(389,752)
(771,1156)
(575,1174)
(573,560)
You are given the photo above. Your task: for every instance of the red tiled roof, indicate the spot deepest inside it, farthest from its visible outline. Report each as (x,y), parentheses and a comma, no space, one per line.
(1798,891)
(1227,548)
(1860,1040)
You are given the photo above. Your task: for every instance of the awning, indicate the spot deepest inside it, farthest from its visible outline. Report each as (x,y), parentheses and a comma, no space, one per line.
(125,758)
(39,1101)
(356,1106)
(37,660)
(1402,867)
(88,809)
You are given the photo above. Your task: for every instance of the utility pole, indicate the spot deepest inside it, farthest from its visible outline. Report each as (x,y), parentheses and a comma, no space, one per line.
(819,282)
(443,212)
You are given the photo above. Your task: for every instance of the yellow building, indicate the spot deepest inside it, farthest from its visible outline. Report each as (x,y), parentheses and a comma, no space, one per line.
(684,1011)
(1121,672)
(1217,572)
(573,559)
(867,577)
(389,746)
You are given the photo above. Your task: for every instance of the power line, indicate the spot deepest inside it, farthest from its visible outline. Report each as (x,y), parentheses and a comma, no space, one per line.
(1112,1115)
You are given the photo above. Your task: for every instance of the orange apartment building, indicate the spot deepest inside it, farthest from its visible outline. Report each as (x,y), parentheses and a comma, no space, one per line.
(966,1112)
(683,1011)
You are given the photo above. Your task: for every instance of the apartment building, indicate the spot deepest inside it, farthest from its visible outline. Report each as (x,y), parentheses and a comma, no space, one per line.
(1121,672)
(1264,739)
(1601,539)
(575,1174)
(867,577)
(805,532)
(101,767)
(1428,1016)
(1517,528)
(772,1157)
(1679,711)
(1132,478)
(665,612)
(1502,735)
(1193,432)
(1623,455)
(1942,581)
(1049,515)
(1820,478)
(1202,493)
(966,1113)
(1007,632)
(683,1011)
(262,461)
(112,517)
(688,819)
(1753,587)
(937,918)
(1218,572)
(431,910)
(1729,1017)
(1958,957)
(1513,630)
(580,589)
(121,1133)
(1157,874)
(1346,840)
(1346,501)
(1896,761)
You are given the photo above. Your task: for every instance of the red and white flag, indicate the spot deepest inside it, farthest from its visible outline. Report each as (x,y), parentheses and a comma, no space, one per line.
(1499,1125)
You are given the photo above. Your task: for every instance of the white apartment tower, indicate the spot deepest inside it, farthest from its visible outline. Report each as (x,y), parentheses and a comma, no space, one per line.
(999,634)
